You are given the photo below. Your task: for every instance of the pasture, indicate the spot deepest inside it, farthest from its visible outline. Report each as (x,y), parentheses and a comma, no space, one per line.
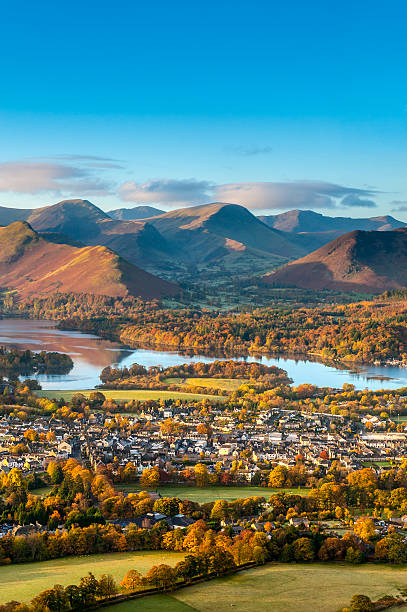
(279,587)
(132,394)
(23,581)
(207,494)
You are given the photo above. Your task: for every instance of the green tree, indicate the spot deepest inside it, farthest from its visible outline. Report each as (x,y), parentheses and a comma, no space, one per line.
(167,505)
(161,576)
(303,550)
(361,603)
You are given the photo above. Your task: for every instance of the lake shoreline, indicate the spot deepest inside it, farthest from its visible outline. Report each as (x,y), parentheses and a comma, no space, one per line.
(91,353)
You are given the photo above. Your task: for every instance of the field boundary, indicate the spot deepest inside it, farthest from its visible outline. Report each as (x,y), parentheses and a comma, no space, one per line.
(116,599)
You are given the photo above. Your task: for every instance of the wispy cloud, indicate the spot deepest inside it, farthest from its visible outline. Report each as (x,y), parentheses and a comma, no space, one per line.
(33,177)
(399,205)
(92,161)
(167,191)
(249,150)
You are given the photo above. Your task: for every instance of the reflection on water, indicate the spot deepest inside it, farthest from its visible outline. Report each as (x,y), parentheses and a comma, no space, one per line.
(91,354)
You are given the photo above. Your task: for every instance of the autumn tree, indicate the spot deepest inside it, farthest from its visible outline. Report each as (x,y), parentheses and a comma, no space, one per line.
(161,576)
(150,478)
(201,475)
(365,528)
(132,580)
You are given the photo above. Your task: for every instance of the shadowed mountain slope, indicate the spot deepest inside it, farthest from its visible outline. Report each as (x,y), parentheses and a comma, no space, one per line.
(311,230)
(222,226)
(138,212)
(357,261)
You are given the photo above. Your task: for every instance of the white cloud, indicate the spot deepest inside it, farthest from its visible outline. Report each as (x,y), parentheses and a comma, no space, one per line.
(40,176)
(293,194)
(167,191)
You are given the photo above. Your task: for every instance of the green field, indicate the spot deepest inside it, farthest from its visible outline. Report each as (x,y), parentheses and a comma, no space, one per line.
(280,588)
(23,582)
(136,394)
(41,492)
(226,384)
(153,603)
(378,463)
(207,494)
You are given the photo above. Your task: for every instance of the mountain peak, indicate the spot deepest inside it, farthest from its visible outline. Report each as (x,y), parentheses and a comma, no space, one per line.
(364,261)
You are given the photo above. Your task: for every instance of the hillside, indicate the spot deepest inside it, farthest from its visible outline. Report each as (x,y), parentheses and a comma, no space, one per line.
(35,266)
(357,261)
(83,222)
(10,215)
(138,212)
(311,230)
(201,241)
(215,231)
(300,221)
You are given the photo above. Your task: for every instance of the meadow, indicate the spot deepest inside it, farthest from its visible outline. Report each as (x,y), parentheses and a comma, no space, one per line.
(207,494)
(24,581)
(226,384)
(132,394)
(280,587)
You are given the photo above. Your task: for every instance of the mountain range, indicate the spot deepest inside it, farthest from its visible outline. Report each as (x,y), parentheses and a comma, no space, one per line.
(357,261)
(312,230)
(210,239)
(35,266)
(217,241)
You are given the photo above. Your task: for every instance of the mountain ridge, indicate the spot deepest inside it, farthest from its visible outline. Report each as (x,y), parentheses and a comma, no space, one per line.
(371,261)
(34,266)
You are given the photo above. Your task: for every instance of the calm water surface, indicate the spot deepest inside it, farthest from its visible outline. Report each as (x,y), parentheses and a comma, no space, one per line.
(91,354)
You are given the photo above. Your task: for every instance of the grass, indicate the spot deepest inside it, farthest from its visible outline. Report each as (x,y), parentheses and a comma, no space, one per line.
(279,587)
(136,394)
(41,492)
(23,582)
(207,494)
(155,603)
(286,587)
(226,384)
(378,463)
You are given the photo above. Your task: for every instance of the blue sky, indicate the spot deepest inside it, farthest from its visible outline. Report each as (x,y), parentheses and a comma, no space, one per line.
(275,105)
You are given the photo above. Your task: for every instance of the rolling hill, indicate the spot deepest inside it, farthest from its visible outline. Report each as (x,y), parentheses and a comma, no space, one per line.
(358,261)
(34,266)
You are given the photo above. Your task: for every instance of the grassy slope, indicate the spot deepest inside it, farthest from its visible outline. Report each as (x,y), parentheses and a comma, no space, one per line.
(155,603)
(208,494)
(137,394)
(280,588)
(22,582)
(227,384)
(286,587)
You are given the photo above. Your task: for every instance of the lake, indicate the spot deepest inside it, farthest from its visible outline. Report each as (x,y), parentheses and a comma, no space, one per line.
(91,354)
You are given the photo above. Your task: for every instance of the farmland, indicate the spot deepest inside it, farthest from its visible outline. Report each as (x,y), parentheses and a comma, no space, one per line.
(134,394)
(207,494)
(29,579)
(280,588)
(226,384)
